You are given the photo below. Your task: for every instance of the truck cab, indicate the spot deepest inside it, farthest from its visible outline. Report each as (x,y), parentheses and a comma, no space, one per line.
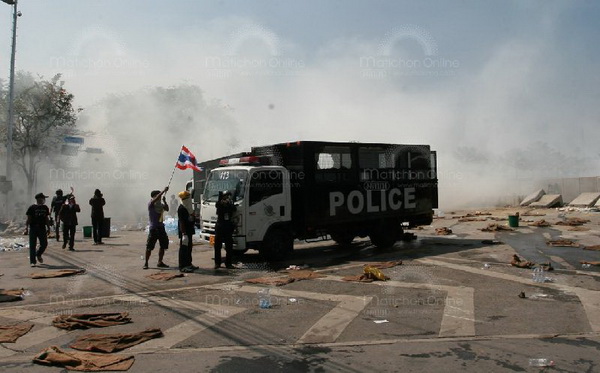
(261,194)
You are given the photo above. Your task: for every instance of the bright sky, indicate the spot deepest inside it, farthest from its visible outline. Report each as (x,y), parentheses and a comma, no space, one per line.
(493,75)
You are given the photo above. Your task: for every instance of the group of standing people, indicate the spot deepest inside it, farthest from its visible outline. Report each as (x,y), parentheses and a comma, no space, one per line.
(65,209)
(186,217)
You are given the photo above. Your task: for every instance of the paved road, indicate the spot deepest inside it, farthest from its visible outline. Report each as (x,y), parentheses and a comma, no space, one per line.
(445,309)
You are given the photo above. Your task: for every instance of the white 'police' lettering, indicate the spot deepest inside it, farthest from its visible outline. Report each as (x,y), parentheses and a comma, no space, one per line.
(356,201)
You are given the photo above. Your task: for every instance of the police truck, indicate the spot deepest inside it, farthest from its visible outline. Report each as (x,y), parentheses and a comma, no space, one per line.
(319,190)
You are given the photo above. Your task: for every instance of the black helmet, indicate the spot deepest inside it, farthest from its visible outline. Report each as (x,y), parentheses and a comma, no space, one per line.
(59,192)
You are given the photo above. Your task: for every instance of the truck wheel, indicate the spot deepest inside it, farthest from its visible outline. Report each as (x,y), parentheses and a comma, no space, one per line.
(277,245)
(384,235)
(342,239)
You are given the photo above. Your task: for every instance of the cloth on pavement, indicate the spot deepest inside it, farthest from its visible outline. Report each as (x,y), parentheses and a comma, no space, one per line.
(578,228)
(113,342)
(11,295)
(495,228)
(164,276)
(272,281)
(384,265)
(83,361)
(517,262)
(443,231)
(562,243)
(540,223)
(573,221)
(90,320)
(10,333)
(59,273)
(304,274)
(531,213)
(464,220)
(358,278)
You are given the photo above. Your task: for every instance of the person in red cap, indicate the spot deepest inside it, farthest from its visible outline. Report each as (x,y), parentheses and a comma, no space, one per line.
(38,227)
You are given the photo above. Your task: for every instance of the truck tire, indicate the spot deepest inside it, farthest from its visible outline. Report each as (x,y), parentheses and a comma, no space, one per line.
(341,238)
(384,235)
(277,245)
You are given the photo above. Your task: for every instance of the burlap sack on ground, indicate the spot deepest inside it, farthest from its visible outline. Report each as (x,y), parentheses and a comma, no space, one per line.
(271,281)
(164,276)
(10,333)
(304,274)
(59,273)
(83,361)
(562,243)
(90,320)
(113,342)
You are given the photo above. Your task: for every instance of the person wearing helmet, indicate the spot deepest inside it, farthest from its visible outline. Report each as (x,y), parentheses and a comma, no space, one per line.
(186,229)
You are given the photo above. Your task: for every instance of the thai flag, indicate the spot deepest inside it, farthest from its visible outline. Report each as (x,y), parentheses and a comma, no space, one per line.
(187,160)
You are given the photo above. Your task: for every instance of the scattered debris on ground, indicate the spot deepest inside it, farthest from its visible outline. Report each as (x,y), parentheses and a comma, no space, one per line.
(59,273)
(495,228)
(517,262)
(10,333)
(540,223)
(578,229)
(443,231)
(109,343)
(83,361)
(164,276)
(13,244)
(90,320)
(595,263)
(593,247)
(532,213)
(562,243)
(464,220)
(304,274)
(270,281)
(370,274)
(11,295)
(573,222)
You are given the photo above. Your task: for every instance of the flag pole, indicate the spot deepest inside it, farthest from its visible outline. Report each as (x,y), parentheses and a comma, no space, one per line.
(174,167)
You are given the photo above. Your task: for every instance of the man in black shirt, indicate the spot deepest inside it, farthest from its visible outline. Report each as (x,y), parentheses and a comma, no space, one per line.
(68,216)
(38,226)
(97,202)
(57,201)
(186,219)
(224,229)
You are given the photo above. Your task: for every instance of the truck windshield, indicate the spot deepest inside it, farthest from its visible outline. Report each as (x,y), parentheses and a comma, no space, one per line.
(222,180)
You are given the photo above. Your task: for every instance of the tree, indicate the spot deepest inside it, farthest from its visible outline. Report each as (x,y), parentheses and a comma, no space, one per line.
(44,115)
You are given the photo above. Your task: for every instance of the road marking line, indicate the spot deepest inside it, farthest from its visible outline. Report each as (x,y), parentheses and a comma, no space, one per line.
(329,327)
(561,261)
(38,337)
(459,306)
(589,299)
(27,315)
